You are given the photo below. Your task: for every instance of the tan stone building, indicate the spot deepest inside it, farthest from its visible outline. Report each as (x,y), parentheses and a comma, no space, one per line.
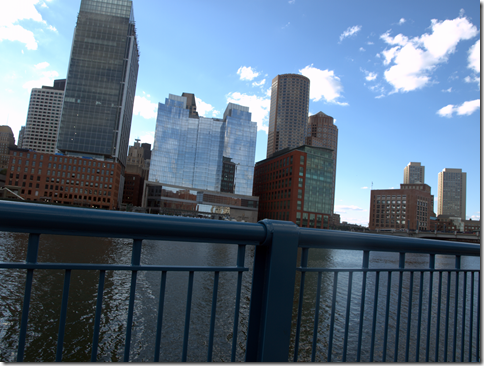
(414,173)
(289,112)
(452,193)
(7,141)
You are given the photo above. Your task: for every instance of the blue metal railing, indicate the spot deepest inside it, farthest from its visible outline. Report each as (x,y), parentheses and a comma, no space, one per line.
(279,305)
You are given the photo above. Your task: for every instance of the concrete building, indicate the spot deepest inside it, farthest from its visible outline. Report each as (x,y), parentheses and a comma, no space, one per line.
(101,83)
(63,179)
(168,199)
(136,162)
(414,173)
(322,132)
(43,118)
(409,207)
(452,193)
(296,185)
(21,136)
(192,151)
(289,112)
(7,141)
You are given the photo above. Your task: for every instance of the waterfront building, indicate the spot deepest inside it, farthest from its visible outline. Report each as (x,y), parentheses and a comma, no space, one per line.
(414,173)
(43,118)
(322,132)
(452,193)
(63,179)
(296,185)
(169,199)
(289,112)
(101,83)
(7,141)
(410,207)
(205,153)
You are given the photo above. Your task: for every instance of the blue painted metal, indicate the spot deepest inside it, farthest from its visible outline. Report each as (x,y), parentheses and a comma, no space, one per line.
(271,302)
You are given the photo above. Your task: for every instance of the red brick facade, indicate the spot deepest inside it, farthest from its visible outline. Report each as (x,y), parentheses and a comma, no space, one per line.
(133,189)
(64,179)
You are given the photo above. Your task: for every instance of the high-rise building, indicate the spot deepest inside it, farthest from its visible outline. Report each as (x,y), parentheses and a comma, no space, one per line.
(193,151)
(43,118)
(7,141)
(452,193)
(289,112)
(414,173)
(322,132)
(101,82)
(410,207)
(21,136)
(296,185)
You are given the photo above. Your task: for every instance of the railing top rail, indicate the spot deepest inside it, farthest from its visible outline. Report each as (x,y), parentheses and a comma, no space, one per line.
(333,239)
(47,219)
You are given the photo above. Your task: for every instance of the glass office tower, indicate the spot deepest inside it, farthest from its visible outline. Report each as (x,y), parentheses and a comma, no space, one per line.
(191,151)
(101,82)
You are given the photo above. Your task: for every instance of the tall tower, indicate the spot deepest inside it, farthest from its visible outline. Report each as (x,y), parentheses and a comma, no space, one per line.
(42,127)
(452,193)
(7,140)
(289,112)
(414,173)
(322,132)
(101,82)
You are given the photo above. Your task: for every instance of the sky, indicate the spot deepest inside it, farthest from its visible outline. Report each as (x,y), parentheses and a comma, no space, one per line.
(400,79)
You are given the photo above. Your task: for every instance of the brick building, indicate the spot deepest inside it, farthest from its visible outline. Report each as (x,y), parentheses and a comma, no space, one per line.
(296,185)
(133,189)
(62,179)
(409,207)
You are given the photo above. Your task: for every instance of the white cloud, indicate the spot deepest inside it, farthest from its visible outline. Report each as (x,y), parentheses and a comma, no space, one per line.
(466,108)
(414,59)
(351,31)
(10,29)
(447,90)
(205,109)
(258,106)
(475,57)
(344,208)
(362,49)
(268,92)
(52,28)
(364,187)
(144,107)
(401,21)
(247,73)
(46,78)
(42,65)
(291,1)
(370,75)
(287,25)
(324,84)
(260,83)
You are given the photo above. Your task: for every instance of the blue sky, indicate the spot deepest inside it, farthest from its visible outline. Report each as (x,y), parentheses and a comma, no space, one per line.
(401,79)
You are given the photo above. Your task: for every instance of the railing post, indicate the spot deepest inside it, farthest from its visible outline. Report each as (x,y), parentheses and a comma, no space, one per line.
(271,302)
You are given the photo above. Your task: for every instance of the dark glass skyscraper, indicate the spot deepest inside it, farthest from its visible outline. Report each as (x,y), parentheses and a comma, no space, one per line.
(101,82)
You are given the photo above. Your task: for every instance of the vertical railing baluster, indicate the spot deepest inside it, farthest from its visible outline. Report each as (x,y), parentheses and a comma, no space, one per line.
(316,318)
(375,308)
(32,253)
(478,323)
(63,315)
(135,261)
(212,316)
(97,317)
(464,298)
(409,318)
(333,309)
(366,260)
(401,265)
(429,315)
(159,322)
(347,320)
(240,264)
(387,316)
(456,306)
(419,317)
(187,316)
(447,314)
(471,316)
(437,331)
(304,264)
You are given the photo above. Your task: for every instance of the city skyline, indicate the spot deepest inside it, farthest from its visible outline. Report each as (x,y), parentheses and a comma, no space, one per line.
(402,82)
